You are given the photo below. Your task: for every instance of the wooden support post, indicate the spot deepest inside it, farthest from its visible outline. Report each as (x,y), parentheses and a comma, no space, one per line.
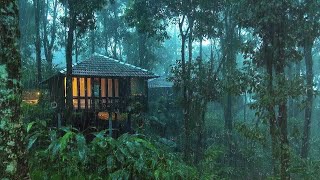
(100,95)
(86,93)
(107,93)
(78,90)
(92,94)
(146,94)
(128,101)
(129,123)
(59,120)
(110,124)
(116,125)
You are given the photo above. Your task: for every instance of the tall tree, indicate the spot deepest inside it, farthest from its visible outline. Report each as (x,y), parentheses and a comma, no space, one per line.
(230,45)
(148,19)
(309,15)
(12,134)
(49,38)
(80,14)
(37,6)
(274,22)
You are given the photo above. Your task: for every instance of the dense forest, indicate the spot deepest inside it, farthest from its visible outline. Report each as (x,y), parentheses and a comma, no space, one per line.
(238,93)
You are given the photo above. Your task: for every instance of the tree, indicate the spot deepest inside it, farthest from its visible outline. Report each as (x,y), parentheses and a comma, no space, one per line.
(148,19)
(230,45)
(48,43)
(12,135)
(308,18)
(38,7)
(80,15)
(274,22)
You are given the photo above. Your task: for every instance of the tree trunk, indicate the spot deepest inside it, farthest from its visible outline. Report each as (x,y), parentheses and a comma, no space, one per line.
(271,107)
(202,103)
(308,111)
(48,45)
(38,39)
(116,39)
(282,112)
(229,51)
(69,104)
(106,39)
(93,42)
(186,109)
(12,133)
(142,50)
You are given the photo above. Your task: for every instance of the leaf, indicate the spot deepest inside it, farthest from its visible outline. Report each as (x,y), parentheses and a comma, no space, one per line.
(110,162)
(11,167)
(65,139)
(120,174)
(32,139)
(30,126)
(81,143)
(139,164)
(157,174)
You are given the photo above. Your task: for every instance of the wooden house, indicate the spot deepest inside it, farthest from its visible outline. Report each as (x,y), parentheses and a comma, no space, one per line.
(160,87)
(103,88)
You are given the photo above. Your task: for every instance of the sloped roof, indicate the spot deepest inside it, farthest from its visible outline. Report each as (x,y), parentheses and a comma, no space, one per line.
(161,82)
(103,66)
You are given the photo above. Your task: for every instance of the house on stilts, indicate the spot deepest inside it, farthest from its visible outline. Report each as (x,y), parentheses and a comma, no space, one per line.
(105,92)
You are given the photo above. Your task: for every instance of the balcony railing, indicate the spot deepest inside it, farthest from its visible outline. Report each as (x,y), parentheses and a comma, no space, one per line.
(112,104)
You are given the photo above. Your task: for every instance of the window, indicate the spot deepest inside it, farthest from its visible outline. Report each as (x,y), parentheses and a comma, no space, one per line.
(116,88)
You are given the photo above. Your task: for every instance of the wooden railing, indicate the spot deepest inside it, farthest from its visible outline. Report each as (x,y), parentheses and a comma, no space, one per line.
(112,104)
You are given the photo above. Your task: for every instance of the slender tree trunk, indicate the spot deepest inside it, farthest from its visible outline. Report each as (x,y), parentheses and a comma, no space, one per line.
(106,37)
(202,103)
(69,104)
(229,51)
(308,111)
(271,107)
(186,109)
(116,39)
(38,39)
(76,47)
(48,45)
(12,133)
(188,94)
(93,42)
(282,112)
(282,120)
(142,50)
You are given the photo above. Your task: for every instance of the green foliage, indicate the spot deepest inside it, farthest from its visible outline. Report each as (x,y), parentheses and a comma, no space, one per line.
(65,153)
(147,17)
(31,112)
(210,166)
(251,133)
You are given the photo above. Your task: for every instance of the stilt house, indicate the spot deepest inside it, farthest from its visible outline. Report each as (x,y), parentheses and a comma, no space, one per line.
(103,88)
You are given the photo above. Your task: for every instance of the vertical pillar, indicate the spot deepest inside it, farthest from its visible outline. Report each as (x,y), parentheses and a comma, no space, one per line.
(100,95)
(145,101)
(107,92)
(86,93)
(78,87)
(128,94)
(92,95)
(110,124)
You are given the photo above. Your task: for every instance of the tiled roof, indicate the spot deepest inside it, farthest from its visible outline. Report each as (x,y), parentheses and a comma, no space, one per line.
(103,66)
(161,82)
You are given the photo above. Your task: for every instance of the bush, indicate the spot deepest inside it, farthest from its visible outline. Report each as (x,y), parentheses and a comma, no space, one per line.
(65,154)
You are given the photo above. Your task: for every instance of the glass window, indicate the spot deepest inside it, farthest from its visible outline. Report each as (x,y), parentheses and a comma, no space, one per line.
(82,88)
